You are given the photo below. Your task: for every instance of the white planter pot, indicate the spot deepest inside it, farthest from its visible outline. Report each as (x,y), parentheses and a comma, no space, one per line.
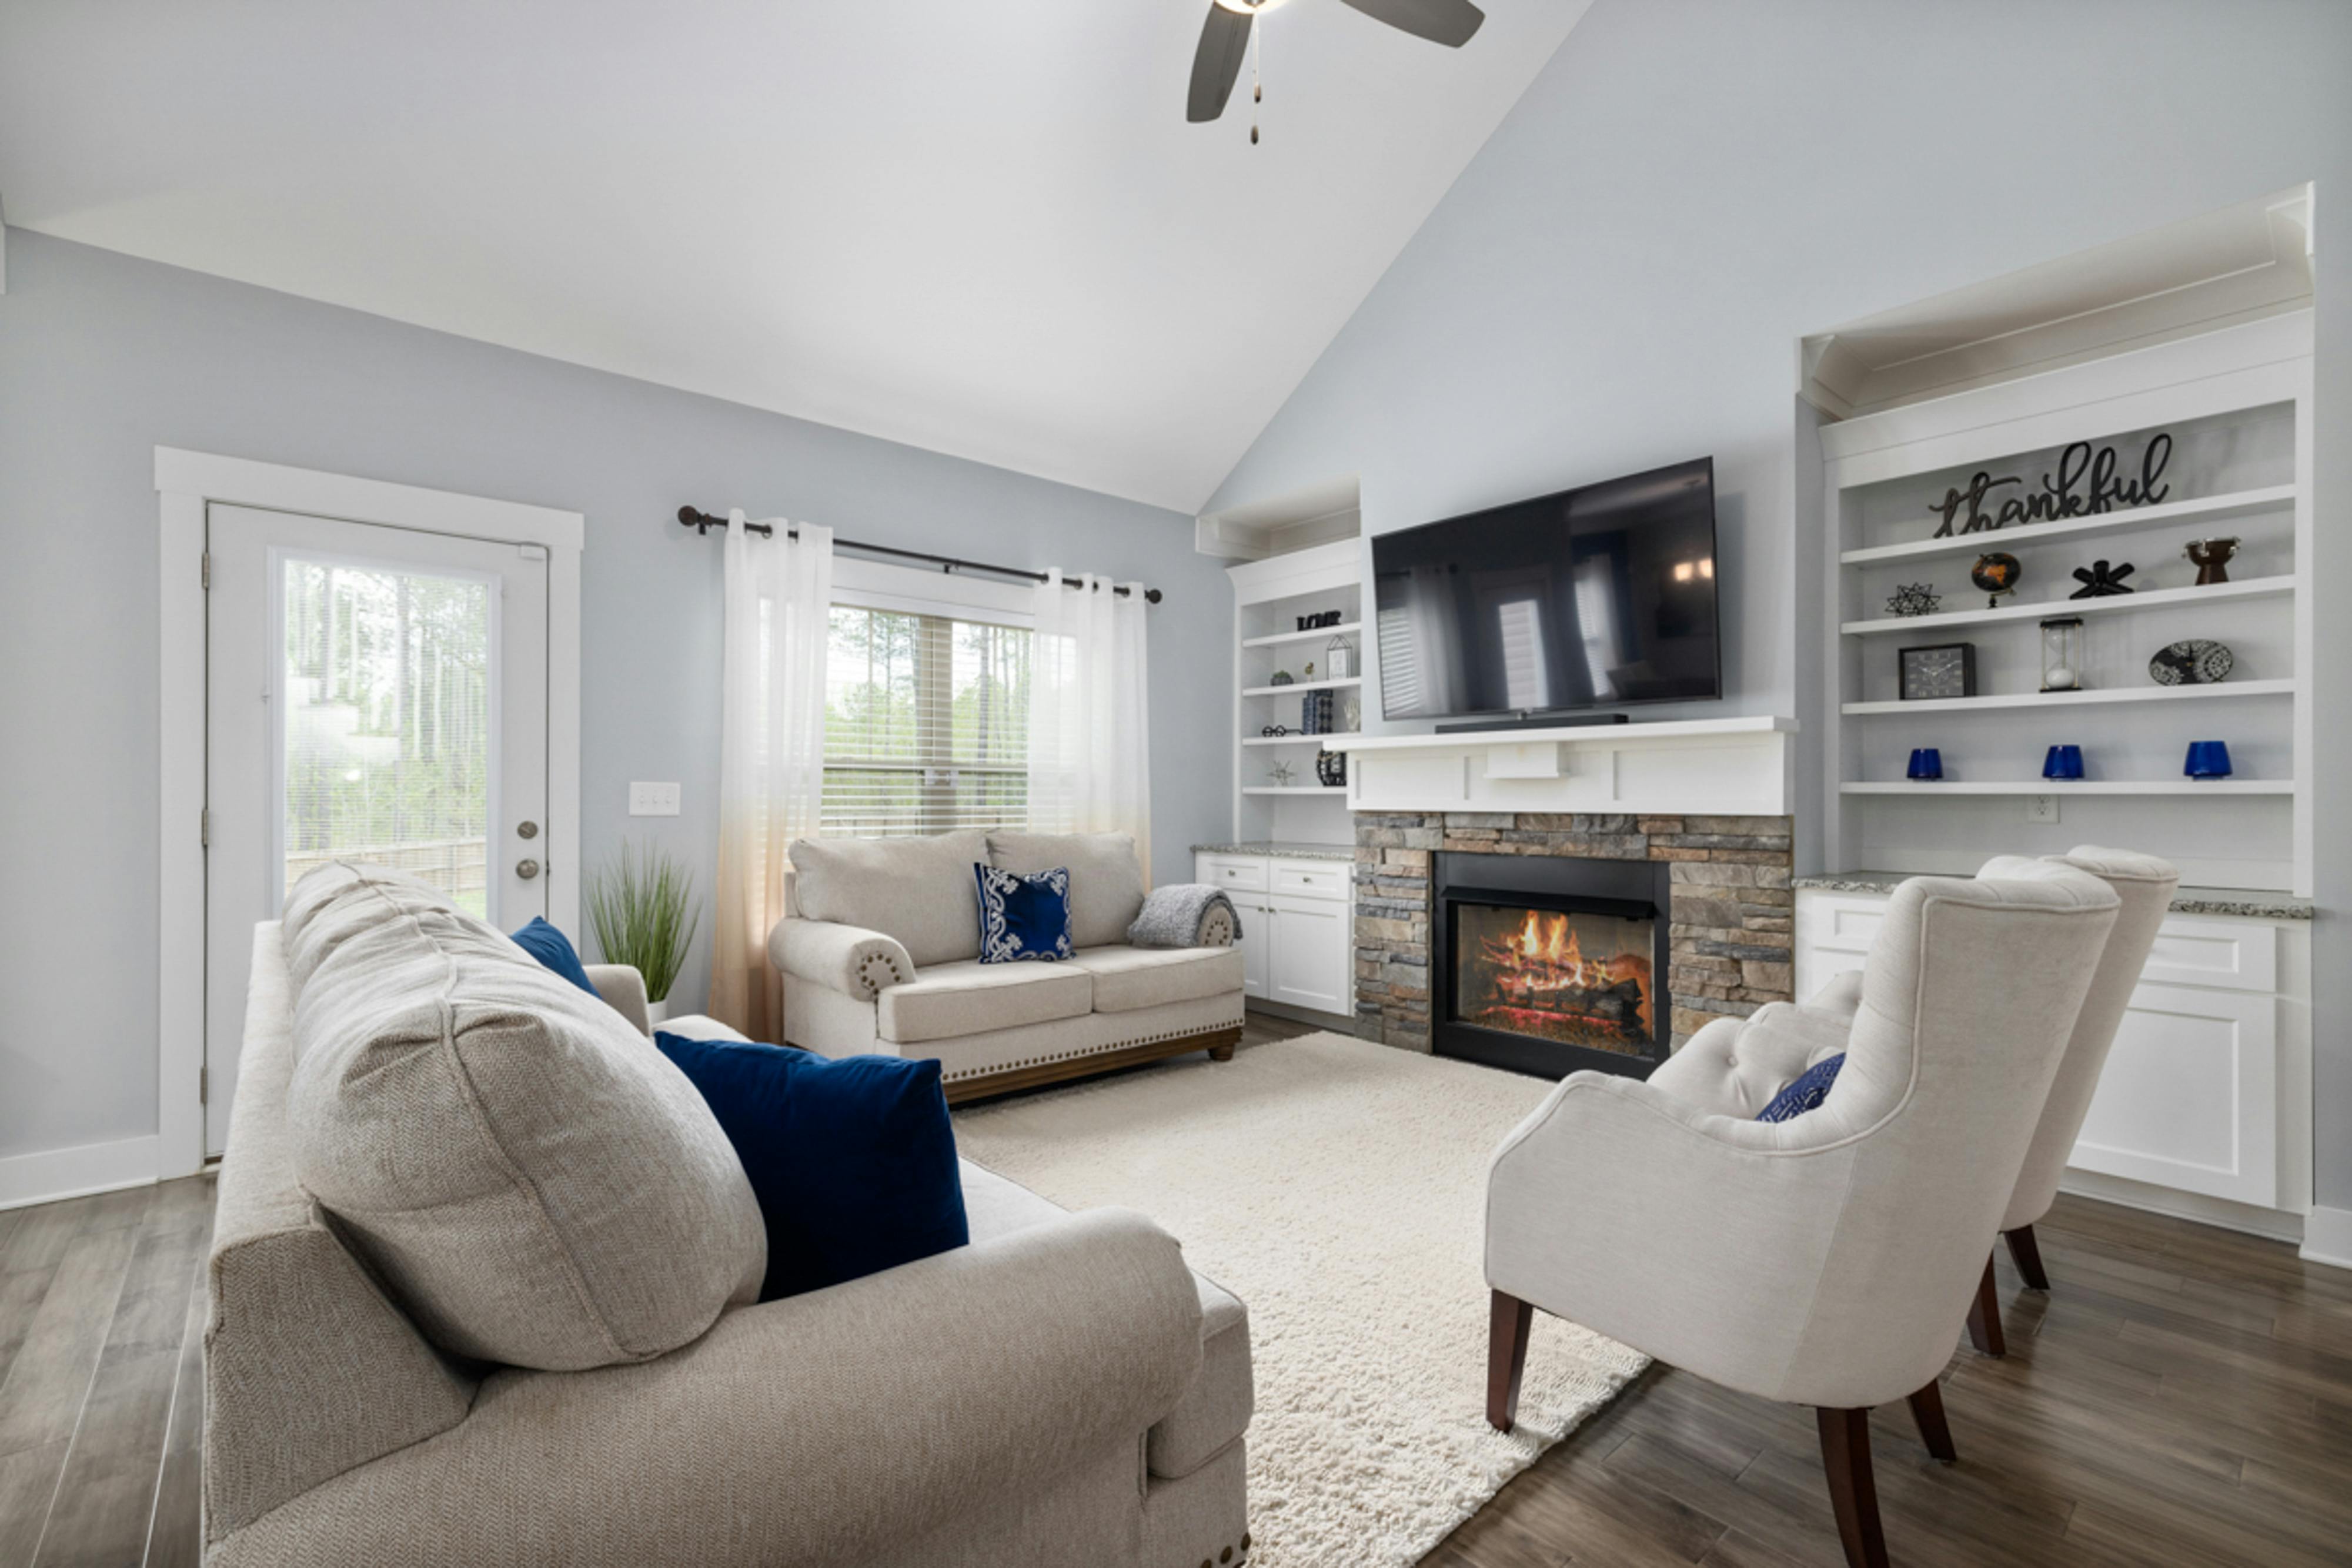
(658,1013)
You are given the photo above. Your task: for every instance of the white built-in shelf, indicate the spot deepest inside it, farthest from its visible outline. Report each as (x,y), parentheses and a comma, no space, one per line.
(1325,632)
(2152,598)
(1297,739)
(1293,790)
(1302,686)
(2072,787)
(2210,509)
(2075,699)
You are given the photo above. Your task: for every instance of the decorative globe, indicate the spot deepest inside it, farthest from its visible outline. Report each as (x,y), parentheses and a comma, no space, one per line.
(1996,572)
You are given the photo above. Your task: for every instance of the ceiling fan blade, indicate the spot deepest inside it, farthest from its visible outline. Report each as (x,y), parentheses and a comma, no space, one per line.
(1447,22)
(1224,39)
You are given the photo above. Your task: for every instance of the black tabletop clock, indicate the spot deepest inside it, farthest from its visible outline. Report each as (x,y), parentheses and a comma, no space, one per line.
(1943,669)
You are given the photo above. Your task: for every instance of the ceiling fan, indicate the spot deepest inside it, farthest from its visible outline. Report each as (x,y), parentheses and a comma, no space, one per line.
(1228,34)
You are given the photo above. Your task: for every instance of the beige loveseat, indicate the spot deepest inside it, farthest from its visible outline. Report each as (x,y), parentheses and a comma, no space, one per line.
(880,952)
(1061,1391)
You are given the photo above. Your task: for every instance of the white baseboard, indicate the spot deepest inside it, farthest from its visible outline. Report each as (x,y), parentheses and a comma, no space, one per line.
(2276,1224)
(54,1174)
(2327,1236)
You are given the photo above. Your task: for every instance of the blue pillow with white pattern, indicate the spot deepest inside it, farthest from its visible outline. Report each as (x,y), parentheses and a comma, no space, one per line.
(1806,1092)
(1024,919)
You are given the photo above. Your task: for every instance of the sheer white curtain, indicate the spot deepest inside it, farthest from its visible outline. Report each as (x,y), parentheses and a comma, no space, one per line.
(1089,713)
(770,755)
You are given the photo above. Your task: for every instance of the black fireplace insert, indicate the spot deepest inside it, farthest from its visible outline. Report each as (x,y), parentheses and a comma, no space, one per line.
(1545,965)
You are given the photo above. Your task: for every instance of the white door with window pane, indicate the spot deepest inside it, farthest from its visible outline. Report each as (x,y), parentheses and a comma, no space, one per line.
(374,694)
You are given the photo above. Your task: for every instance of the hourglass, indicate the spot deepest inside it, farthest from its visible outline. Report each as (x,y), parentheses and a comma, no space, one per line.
(2061,654)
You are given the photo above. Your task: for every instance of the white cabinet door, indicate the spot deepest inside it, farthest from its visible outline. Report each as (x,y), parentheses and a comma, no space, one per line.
(2188,1098)
(1833,935)
(1257,944)
(1309,965)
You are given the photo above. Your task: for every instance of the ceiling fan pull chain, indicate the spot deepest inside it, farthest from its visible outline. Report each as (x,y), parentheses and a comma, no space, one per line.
(1258,86)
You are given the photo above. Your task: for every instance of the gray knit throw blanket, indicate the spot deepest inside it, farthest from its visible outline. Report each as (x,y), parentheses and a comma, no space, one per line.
(1184,914)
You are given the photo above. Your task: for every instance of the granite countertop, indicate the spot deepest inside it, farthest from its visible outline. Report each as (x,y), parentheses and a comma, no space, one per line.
(1286,851)
(2251,903)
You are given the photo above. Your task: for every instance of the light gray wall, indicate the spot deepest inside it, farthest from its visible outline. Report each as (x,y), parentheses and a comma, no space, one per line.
(1620,278)
(103,357)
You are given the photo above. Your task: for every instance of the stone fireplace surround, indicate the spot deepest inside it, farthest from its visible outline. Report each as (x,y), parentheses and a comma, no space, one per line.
(1732,921)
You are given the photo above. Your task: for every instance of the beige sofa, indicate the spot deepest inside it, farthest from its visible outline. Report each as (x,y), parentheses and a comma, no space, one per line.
(880,952)
(1062,1391)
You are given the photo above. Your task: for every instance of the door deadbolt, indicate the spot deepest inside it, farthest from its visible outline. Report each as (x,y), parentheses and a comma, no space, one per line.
(527,831)
(527,870)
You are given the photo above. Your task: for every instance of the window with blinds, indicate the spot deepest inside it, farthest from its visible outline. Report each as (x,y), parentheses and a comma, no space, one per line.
(925,724)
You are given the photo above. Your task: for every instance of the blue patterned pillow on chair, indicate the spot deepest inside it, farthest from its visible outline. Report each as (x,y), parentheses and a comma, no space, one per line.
(1023,917)
(1806,1092)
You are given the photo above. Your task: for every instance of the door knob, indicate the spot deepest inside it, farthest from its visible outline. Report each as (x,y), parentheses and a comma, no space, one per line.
(527,831)
(527,870)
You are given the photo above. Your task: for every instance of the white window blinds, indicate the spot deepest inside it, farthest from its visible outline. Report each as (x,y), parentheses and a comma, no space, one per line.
(925,724)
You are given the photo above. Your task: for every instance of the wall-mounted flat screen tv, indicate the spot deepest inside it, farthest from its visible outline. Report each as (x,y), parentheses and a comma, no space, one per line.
(1594,597)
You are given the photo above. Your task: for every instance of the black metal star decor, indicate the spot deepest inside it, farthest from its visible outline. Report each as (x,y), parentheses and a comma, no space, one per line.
(1915,599)
(2101,581)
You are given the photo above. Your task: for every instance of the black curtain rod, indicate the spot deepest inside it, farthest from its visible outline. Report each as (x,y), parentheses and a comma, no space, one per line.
(703,522)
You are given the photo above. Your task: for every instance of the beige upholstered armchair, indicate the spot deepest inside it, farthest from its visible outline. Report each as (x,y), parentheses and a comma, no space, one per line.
(1821,1260)
(2145,884)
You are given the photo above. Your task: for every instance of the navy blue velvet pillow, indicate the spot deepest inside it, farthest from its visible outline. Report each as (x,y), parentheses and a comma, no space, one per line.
(1023,917)
(852,1160)
(553,948)
(1806,1092)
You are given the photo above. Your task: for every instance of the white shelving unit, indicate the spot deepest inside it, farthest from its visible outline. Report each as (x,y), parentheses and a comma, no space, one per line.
(2201,331)
(1269,596)
(2237,401)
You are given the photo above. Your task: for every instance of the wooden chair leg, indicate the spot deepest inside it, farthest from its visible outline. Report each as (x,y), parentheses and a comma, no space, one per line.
(1853,1493)
(1507,1358)
(2026,1253)
(1221,1053)
(1984,1316)
(1927,1410)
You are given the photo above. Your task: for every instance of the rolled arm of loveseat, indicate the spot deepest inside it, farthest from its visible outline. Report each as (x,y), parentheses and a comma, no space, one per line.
(816,1430)
(623,990)
(845,958)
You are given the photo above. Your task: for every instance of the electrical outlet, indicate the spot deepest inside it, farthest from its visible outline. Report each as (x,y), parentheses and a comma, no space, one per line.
(652,799)
(2042,807)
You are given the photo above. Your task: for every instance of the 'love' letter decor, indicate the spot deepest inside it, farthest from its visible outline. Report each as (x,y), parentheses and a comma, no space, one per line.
(2084,485)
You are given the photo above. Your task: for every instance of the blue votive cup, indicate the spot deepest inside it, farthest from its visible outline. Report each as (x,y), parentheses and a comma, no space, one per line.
(2062,762)
(1927,762)
(2208,759)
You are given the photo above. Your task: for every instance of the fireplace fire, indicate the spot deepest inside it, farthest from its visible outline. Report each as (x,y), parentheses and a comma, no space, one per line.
(1549,963)
(1571,977)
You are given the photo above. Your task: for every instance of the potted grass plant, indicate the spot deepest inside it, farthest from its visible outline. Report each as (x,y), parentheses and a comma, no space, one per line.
(645,913)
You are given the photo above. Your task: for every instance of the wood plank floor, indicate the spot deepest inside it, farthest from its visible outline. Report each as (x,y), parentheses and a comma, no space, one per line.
(2183,1396)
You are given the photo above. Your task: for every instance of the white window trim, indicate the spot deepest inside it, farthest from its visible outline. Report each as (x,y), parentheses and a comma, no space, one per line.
(871,585)
(186,483)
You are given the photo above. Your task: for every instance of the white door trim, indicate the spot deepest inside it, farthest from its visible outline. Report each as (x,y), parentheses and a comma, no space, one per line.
(185,484)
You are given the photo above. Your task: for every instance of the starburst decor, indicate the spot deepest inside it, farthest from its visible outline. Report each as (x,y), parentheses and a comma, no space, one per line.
(1282,775)
(1915,599)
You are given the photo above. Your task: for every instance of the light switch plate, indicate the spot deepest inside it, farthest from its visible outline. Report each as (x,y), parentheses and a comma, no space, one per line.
(2042,807)
(652,799)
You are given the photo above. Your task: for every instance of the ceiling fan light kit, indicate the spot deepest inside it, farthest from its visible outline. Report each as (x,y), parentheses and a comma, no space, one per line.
(1229,33)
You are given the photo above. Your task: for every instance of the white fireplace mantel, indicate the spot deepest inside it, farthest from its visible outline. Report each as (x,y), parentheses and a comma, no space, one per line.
(1712,766)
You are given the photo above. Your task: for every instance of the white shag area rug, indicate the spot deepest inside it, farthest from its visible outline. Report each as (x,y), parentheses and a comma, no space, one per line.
(1339,1189)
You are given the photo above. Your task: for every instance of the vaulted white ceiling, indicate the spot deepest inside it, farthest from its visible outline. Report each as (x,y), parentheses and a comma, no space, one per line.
(980,227)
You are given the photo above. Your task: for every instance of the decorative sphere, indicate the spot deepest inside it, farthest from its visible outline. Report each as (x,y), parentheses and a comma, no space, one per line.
(1996,571)
(2059,679)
